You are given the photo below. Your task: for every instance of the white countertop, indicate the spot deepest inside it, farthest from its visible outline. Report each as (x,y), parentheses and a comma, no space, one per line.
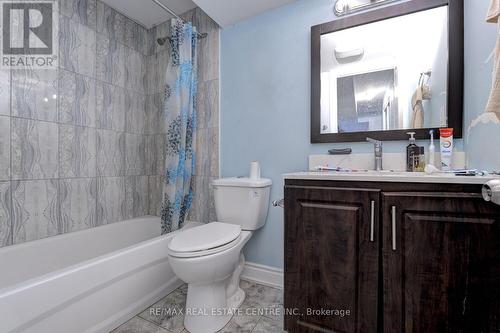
(388,176)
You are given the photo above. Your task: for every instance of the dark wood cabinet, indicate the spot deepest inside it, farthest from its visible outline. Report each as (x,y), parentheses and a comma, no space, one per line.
(441,263)
(421,261)
(332,252)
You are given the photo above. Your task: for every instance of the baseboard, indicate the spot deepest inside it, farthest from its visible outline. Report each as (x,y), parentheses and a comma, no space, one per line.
(266,275)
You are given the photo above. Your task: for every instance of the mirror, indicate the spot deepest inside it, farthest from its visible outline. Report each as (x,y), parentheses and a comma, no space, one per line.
(389,75)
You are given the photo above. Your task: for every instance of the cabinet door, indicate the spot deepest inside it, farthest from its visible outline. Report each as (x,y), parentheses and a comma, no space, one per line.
(441,263)
(331,259)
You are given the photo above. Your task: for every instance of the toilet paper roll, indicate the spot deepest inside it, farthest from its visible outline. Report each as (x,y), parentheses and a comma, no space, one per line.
(491,191)
(255,170)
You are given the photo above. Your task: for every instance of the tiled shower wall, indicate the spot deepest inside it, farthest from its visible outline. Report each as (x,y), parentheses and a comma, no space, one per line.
(81,146)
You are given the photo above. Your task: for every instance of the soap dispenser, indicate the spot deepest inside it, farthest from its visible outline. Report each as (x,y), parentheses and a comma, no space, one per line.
(412,153)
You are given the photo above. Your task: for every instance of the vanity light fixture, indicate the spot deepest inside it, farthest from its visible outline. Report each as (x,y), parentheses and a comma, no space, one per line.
(345,7)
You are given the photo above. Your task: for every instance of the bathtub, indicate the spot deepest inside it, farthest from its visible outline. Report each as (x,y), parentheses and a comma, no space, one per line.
(86,281)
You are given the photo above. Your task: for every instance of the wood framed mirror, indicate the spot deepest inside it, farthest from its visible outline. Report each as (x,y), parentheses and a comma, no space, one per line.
(388,71)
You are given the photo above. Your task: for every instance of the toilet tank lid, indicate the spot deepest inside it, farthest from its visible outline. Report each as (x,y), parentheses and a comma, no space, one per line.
(242,182)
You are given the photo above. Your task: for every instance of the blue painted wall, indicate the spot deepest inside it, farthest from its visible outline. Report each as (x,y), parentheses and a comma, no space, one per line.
(265,97)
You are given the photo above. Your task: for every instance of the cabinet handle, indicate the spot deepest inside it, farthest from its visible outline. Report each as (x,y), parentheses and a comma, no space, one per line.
(394,228)
(372,222)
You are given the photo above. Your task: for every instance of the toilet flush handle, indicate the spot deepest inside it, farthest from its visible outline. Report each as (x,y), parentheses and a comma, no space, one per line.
(279,203)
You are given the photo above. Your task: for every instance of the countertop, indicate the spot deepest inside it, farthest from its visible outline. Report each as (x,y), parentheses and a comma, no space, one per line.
(389,176)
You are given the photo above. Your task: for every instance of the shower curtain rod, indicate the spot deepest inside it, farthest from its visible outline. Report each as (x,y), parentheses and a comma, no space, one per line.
(171,12)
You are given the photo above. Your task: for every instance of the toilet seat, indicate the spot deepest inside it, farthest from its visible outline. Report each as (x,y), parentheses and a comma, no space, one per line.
(204,240)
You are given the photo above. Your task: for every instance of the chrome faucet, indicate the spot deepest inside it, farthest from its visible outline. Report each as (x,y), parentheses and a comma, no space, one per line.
(378,153)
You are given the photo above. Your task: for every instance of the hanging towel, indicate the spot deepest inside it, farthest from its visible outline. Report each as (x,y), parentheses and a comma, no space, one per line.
(494,100)
(493,12)
(417,120)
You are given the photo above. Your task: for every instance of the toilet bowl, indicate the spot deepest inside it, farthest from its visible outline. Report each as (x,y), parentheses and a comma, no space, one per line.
(208,271)
(209,257)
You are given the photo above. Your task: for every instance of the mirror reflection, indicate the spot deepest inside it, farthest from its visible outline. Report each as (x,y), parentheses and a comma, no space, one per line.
(386,75)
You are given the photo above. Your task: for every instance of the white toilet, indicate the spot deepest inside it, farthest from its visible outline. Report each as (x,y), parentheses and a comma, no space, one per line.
(208,257)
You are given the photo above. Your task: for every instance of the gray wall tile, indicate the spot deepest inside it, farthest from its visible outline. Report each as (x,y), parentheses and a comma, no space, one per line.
(78,202)
(77,99)
(208,104)
(110,22)
(155,190)
(152,74)
(77,47)
(131,35)
(5,92)
(136,196)
(110,200)
(110,107)
(80,11)
(136,116)
(163,59)
(110,153)
(34,94)
(159,31)
(207,152)
(135,70)
(121,133)
(155,154)
(154,110)
(5,220)
(143,41)
(4,148)
(77,151)
(110,61)
(68,127)
(203,206)
(34,149)
(135,155)
(34,210)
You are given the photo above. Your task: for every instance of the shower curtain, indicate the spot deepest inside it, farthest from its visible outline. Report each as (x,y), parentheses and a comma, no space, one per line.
(180,121)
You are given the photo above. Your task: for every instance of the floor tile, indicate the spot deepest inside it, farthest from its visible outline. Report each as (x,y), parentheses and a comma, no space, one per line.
(266,325)
(241,323)
(168,312)
(166,316)
(139,325)
(259,296)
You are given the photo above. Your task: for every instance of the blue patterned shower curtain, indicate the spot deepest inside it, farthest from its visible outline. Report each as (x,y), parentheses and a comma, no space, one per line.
(180,117)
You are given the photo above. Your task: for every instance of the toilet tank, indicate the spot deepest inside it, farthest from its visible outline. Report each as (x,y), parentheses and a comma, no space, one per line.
(242,201)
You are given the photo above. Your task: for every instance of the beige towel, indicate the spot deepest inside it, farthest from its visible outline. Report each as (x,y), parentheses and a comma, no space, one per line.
(417,120)
(494,100)
(493,12)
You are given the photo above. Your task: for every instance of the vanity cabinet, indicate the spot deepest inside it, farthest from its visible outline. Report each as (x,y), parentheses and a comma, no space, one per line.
(441,263)
(427,260)
(332,245)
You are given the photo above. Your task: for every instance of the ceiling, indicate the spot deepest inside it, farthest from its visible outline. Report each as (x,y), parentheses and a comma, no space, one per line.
(224,12)
(229,12)
(146,12)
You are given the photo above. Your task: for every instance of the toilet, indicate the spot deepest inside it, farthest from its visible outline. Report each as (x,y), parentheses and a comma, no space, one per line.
(209,257)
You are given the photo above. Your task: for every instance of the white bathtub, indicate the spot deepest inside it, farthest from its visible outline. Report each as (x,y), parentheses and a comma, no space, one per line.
(86,281)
